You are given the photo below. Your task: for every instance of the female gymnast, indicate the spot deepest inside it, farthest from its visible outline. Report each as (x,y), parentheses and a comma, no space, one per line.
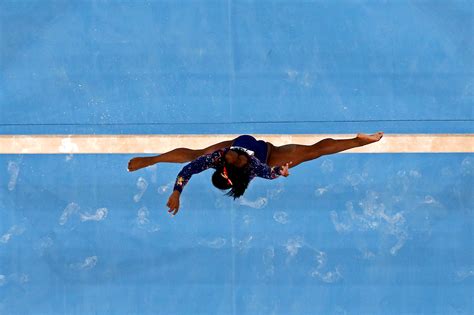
(240,160)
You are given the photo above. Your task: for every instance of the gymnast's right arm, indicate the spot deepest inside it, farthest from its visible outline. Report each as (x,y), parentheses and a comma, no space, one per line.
(200,164)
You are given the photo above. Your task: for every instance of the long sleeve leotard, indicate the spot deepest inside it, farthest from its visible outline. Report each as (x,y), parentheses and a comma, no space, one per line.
(216,159)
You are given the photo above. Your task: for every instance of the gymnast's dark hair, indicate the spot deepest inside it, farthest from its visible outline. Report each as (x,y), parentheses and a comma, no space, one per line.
(239,176)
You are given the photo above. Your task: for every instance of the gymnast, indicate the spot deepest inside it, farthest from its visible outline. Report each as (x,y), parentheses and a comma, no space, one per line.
(240,160)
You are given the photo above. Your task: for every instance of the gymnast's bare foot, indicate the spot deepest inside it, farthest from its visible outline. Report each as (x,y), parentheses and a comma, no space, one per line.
(140,162)
(366,139)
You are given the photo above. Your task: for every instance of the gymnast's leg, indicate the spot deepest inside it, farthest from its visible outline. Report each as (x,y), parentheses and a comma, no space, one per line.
(179,155)
(302,153)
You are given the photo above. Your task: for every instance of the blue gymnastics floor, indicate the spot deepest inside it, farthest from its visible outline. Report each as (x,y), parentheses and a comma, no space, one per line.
(344,234)
(236,66)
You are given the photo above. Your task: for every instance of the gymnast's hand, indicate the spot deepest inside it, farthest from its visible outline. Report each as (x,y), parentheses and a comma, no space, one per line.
(284,170)
(173,202)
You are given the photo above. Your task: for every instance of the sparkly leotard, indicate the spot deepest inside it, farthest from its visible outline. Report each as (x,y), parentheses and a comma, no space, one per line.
(216,159)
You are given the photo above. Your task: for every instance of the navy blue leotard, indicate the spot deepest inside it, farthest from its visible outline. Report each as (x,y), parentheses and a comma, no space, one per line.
(258,148)
(216,159)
